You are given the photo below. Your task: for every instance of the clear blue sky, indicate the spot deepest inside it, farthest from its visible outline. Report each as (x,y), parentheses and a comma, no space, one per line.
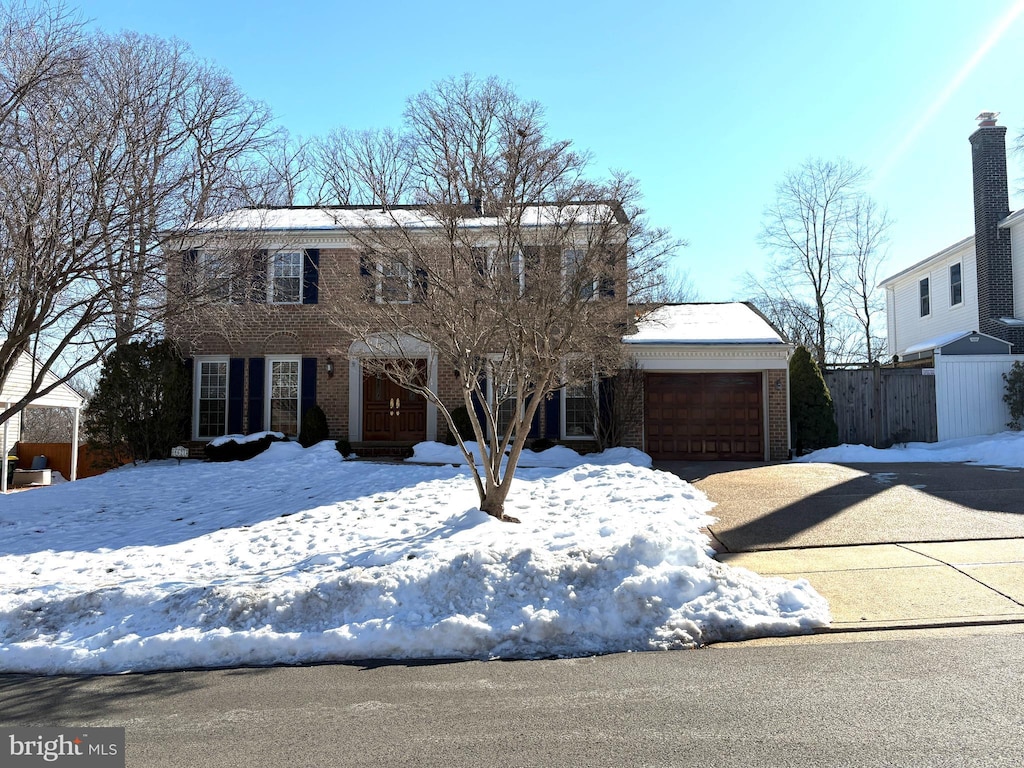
(708,104)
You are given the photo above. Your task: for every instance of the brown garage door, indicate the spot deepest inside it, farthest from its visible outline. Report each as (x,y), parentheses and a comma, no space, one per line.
(701,416)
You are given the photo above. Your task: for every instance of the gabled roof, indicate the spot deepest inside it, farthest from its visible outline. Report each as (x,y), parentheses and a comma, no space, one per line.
(704,323)
(944,253)
(946,339)
(19,380)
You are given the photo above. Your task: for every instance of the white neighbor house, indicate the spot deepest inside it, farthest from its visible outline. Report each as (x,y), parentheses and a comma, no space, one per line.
(15,388)
(960,312)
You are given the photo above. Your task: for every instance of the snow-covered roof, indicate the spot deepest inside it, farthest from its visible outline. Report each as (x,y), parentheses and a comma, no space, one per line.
(728,323)
(328,218)
(939,342)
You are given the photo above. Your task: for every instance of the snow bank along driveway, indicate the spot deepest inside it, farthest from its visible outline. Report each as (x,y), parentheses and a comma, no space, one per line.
(297,556)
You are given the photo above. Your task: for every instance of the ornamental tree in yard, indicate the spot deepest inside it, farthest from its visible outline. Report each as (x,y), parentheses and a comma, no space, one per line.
(814,423)
(499,254)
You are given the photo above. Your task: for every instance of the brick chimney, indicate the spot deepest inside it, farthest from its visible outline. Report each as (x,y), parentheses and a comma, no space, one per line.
(992,245)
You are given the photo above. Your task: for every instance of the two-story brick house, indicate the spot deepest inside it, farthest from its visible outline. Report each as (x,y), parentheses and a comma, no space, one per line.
(266,343)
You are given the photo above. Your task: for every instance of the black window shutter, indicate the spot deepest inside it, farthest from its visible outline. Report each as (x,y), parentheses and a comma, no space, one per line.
(311,276)
(307,397)
(369,289)
(605,400)
(606,284)
(236,385)
(257,383)
(553,415)
(189,260)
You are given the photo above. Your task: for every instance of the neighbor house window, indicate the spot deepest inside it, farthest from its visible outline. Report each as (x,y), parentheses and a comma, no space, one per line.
(574,261)
(956,285)
(286,278)
(211,408)
(578,411)
(283,395)
(926,306)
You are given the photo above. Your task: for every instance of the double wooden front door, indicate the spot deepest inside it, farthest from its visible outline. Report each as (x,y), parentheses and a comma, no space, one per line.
(391,412)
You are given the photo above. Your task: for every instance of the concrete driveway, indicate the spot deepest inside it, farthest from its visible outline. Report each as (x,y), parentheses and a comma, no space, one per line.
(781,506)
(889,545)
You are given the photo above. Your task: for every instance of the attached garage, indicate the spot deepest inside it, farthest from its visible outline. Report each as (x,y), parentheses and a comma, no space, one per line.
(704,416)
(716,383)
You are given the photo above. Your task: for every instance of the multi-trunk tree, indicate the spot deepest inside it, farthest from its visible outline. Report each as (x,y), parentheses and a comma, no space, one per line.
(510,264)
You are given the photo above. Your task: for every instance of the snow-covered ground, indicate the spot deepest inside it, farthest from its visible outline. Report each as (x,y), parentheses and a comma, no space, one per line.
(297,556)
(1003,450)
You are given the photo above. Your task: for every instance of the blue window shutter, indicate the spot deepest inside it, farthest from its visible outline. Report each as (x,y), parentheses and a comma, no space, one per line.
(257,384)
(605,400)
(535,424)
(311,276)
(236,385)
(553,415)
(480,407)
(260,266)
(307,398)
(190,367)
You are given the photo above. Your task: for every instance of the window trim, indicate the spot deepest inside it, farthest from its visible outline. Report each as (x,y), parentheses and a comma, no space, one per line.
(564,435)
(493,267)
(959,284)
(595,282)
(268,391)
(271,277)
(378,263)
(924,299)
(211,276)
(197,377)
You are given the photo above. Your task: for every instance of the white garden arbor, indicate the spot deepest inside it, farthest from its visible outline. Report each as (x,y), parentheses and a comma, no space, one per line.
(15,388)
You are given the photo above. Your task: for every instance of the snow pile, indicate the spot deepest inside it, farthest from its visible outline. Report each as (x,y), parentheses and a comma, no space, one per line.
(558,456)
(297,556)
(1005,449)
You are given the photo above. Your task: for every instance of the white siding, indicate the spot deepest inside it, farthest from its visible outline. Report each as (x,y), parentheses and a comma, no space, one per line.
(907,327)
(20,379)
(969,394)
(1017,249)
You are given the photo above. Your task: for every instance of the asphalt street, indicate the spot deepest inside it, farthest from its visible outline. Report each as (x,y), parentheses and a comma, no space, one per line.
(914,698)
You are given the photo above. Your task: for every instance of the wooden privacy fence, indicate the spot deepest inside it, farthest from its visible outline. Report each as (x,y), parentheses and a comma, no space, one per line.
(90,461)
(881,406)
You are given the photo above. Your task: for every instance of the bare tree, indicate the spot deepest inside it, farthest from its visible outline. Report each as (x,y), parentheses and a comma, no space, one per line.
(112,142)
(826,237)
(513,267)
(363,167)
(867,236)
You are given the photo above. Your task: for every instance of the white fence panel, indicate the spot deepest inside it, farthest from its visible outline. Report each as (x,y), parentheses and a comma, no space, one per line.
(969,394)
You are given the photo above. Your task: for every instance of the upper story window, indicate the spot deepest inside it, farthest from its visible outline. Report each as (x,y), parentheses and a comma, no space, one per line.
(211,401)
(285,283)
(926,305)
(577,276)
(956,285)
(224,275)
(508,267)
